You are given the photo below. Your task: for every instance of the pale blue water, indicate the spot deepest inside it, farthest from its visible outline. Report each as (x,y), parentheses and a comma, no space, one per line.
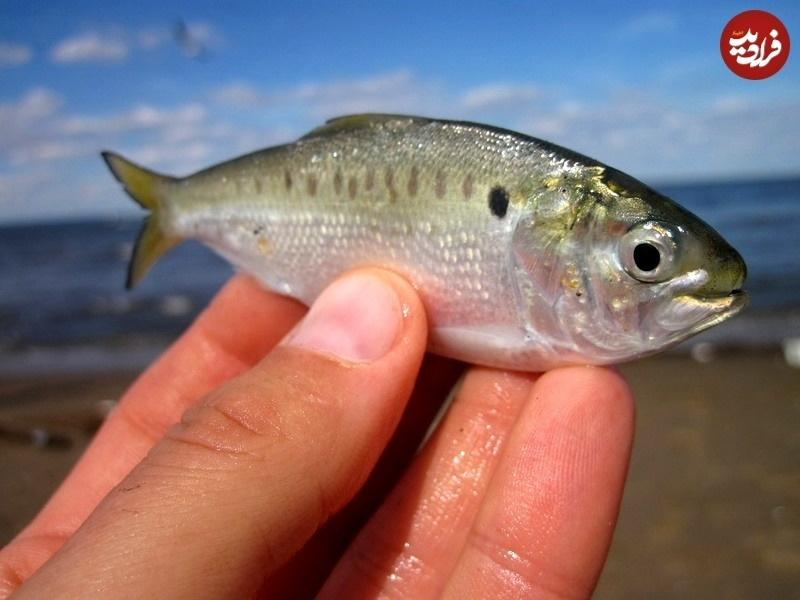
(63,305)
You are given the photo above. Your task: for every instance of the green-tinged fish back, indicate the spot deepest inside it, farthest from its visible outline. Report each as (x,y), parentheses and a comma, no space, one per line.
(351,123)
(148,189)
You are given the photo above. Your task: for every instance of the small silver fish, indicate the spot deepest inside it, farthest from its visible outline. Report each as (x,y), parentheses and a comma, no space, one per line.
(526,255)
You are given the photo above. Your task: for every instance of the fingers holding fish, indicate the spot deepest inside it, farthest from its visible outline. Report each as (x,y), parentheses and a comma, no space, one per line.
(411,545)
(323,404)
(516,493)
(307,571)
(547,518)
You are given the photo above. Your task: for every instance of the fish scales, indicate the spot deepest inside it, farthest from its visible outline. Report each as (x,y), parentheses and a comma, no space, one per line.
(299,241)
(495,229)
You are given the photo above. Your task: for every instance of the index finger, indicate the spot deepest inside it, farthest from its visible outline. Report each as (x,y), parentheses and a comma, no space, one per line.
(242,324)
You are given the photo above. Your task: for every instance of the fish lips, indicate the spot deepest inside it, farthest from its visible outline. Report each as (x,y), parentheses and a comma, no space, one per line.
(688,312)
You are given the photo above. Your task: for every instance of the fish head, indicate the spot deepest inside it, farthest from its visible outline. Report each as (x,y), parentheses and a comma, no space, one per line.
(625,271)
(655,274)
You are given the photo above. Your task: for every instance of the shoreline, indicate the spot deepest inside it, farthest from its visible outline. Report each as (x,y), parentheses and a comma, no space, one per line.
(712,501)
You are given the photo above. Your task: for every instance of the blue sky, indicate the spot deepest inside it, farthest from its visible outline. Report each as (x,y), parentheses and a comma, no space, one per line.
(642,89)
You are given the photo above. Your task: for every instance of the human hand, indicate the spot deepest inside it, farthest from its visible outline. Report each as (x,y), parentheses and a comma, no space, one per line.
(515,494)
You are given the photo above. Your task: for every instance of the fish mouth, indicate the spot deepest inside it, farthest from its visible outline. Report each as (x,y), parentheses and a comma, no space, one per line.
(731,303)
(697,312)
(692,308)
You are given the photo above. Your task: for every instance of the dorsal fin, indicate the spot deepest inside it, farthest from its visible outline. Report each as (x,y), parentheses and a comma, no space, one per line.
(356,122)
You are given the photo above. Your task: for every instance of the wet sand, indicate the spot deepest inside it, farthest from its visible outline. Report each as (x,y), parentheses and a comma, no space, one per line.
(69,409)
(712,504)
(711,509)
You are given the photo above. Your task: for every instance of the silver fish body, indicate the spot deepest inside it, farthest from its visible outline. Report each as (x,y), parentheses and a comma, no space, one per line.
(526,255)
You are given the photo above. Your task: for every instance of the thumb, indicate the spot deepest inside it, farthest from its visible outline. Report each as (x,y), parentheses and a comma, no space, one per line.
(254,468)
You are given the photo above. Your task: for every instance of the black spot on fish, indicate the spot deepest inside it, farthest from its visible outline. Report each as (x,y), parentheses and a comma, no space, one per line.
(498,201)
(337,181)
(311,184)
(257,185)
(352,187)
(287,180)
(413,181)
(440,185)
(466,189)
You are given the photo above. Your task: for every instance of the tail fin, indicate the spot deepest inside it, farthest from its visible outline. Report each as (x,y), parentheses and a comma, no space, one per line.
(148,190)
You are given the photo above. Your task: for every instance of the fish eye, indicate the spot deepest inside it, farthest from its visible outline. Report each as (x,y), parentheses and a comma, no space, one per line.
(649,252)
(646,257)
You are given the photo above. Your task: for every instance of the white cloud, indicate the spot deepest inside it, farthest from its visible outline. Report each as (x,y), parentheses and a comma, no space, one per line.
(30,126)
(36,104)
(91,47)
(48,150)
(49,159)
(37,132)
(183,156)
(240,95)
(26,121)
(499,96)
(12,55)
(396,91)
(117,43)
(140,117)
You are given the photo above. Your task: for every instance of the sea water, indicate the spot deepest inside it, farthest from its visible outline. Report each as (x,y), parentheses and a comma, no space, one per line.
(63,305)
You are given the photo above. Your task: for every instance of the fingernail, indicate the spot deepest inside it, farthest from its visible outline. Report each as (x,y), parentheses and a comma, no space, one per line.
(357,319)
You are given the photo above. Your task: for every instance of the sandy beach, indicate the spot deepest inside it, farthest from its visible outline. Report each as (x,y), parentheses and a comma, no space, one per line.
(711,508)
